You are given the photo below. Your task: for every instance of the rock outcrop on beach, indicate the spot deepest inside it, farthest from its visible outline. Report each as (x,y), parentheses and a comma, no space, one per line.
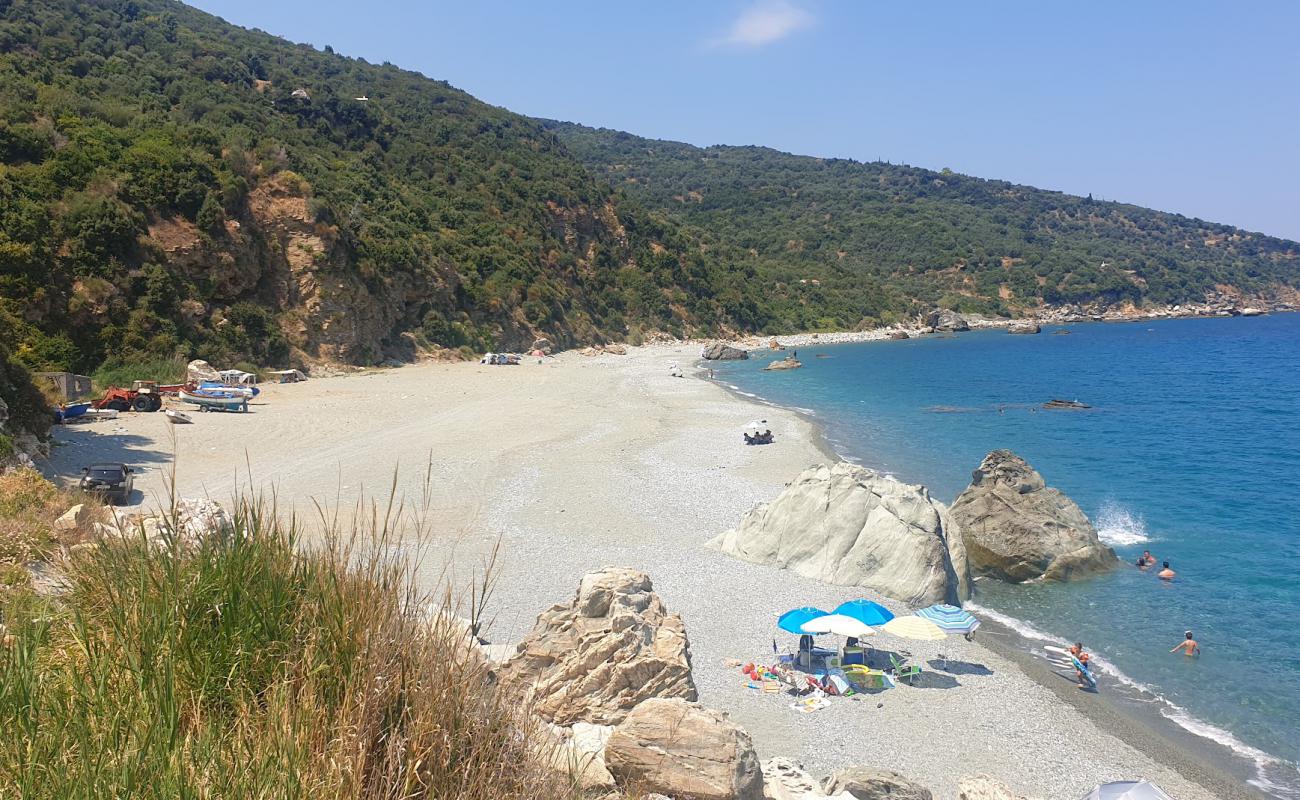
(899,335)
(945,319)
(684,750)
(719,351)
(1017,528)
(864,783)
(1024,328)
(984,787)
(596,657)
(849,525)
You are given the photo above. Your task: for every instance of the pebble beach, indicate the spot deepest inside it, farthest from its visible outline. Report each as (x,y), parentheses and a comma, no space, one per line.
(580,462)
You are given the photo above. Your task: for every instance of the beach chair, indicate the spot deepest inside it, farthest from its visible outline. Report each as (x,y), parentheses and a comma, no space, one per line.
(902,671)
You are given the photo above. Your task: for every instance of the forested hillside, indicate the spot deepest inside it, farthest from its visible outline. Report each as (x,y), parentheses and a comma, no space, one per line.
(174,185)
(877,238)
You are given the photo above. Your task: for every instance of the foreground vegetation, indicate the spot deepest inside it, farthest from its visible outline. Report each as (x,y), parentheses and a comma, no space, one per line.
(246,666)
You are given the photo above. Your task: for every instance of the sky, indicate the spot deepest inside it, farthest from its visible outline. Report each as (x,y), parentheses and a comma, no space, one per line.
(1180,105)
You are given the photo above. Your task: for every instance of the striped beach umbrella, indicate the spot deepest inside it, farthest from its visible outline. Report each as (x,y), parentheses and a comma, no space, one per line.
(865,611)
(950,619)
(917,628)
(794,619)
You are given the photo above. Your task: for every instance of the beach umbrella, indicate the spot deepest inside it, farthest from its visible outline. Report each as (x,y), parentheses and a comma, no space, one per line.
(794,619)
(865,611)
(1127,790)
(915,628)
(839,625)
(950,619)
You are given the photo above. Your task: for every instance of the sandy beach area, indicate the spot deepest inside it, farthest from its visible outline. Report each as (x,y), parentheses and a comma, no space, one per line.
(582,462)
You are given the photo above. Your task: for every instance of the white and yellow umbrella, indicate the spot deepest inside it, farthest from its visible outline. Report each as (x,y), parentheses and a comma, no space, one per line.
(840,625)
(917,628)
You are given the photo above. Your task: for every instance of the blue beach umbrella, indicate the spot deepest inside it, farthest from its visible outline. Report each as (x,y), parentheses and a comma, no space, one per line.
(865,611)
(794,619)
(950,619)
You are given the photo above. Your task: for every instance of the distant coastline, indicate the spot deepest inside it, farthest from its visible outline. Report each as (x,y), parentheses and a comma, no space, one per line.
(1059,315)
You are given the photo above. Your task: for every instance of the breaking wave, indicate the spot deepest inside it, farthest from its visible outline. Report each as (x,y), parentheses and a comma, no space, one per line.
(1118,527)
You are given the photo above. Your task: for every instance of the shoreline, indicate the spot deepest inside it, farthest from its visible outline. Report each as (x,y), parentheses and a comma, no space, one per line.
(582,462)
(1210,763)
(1055,317)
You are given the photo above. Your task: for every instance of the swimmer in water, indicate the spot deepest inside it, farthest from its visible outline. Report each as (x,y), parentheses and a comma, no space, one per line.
(1146,560)
(1166,574)
(1189,646)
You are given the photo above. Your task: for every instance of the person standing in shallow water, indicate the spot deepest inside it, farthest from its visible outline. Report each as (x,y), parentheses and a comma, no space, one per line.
(1189,646)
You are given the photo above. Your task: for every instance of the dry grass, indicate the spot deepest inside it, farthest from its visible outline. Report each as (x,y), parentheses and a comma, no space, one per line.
(248,666)
(29,505)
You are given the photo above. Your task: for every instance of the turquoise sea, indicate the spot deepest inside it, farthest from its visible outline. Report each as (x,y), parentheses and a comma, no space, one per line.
(1191,450)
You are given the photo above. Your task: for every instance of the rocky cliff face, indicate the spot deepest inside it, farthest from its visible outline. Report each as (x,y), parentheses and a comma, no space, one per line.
(1017,528)
(849,525)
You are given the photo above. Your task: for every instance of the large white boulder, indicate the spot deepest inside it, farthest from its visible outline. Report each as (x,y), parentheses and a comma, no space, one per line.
(853,526)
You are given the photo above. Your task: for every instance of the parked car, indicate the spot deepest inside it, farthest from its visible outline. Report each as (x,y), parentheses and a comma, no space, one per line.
(112,481)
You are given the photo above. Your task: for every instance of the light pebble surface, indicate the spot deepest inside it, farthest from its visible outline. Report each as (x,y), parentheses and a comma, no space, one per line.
(582,462)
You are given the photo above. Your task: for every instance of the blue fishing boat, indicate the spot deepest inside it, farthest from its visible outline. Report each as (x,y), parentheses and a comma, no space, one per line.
(64,413)
(213,401)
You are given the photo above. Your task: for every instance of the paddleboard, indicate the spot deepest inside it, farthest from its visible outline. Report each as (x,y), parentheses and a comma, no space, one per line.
(1061,657)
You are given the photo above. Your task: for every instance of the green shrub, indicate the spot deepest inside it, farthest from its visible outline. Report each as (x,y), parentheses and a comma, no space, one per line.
(123,373)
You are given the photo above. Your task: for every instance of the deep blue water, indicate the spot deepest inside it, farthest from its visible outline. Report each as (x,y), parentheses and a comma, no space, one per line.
(1192,451)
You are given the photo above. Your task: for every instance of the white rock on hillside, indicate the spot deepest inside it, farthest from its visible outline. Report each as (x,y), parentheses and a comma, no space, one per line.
(849,525)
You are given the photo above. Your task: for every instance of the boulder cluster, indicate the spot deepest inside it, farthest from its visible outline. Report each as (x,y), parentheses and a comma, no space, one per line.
(848,525)
(610,672)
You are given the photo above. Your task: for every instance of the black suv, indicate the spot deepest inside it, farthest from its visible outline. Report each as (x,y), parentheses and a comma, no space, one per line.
(113,481)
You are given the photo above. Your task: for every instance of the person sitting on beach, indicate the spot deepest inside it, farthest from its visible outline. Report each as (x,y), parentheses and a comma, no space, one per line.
(1166,574)
(1189,646)
(1146,560)
(767,436)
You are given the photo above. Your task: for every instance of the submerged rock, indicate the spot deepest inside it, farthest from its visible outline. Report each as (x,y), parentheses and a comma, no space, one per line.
(596,657)
(1017,528)
(789,362)
(849,525)
(684,750)
(718,351)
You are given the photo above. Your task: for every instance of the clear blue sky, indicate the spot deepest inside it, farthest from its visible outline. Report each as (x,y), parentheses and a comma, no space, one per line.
(1181,105)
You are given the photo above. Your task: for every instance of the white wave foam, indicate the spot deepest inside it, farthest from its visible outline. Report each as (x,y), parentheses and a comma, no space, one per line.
(1116,526)
(1264,763)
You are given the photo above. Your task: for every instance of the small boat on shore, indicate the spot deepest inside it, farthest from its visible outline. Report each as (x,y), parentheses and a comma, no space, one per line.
(178,417)
(70,411)
(212,401)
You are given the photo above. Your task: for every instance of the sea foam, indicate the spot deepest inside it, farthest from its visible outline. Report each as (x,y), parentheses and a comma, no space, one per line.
(1118,527)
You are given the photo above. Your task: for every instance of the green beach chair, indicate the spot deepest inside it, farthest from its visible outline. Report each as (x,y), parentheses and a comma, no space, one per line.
(902,671)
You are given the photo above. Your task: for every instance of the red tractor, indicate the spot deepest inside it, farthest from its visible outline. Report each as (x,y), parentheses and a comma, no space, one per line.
(142,396)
